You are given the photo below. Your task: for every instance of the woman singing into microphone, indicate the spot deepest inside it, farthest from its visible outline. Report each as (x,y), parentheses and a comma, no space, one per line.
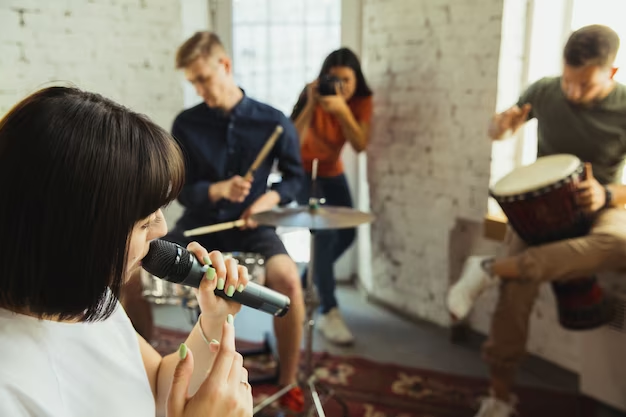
(82,181)
(332,110)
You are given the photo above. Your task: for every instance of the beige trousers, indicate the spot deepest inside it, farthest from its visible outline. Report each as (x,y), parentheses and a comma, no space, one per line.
(604,248)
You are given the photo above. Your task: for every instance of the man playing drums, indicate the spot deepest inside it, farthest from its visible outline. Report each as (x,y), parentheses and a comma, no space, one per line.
(222,137)
(581,113)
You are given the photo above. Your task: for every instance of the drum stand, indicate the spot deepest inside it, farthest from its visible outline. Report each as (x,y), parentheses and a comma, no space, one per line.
(307,380)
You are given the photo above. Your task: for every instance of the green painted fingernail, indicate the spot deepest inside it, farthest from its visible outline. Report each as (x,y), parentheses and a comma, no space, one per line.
(206,260)
(240,288)
(230,319)
(210,274)
(182,351)
(214,342)
(230,291)
(220,284)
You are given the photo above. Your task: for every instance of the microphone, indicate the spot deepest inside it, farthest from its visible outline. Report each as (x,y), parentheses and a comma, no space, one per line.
(173,263)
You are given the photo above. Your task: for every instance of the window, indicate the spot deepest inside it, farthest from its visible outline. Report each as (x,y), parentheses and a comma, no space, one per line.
(609,13)
(605,12)
(582,13)
(279,46)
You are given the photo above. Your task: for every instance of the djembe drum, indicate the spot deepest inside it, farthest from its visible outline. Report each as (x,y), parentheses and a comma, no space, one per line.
(539,202)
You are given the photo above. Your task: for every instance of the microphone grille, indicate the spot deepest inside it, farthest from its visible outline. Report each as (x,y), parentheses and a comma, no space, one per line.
(167,260)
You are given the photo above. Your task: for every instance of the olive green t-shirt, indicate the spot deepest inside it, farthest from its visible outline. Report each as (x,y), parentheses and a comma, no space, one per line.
(595,134)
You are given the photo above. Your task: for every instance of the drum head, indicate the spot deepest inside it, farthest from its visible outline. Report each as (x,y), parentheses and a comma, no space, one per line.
(543,172)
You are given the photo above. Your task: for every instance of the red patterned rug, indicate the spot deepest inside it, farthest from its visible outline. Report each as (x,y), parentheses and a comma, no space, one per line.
(369,389)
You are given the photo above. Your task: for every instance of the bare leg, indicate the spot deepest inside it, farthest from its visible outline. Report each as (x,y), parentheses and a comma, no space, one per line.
(506,268)
(282,276)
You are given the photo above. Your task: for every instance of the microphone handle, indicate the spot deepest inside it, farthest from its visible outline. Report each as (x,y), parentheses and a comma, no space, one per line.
(254,295)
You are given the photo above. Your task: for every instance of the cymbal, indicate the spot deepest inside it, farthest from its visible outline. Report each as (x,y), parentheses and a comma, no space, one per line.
(324,217)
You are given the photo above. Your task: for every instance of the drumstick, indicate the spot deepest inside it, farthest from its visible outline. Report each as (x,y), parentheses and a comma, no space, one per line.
(314,169)
(314,182)
(205,230)
(264,151)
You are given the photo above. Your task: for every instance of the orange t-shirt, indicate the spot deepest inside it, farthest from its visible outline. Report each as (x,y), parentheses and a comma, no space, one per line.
(324,139)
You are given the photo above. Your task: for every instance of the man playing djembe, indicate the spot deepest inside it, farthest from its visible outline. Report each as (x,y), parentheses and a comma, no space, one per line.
(582,113)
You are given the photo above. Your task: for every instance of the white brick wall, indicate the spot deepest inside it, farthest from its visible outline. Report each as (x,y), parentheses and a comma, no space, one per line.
(123,49)
(433,65)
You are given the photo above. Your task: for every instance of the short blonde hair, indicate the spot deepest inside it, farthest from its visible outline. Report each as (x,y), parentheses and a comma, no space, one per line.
(200,45)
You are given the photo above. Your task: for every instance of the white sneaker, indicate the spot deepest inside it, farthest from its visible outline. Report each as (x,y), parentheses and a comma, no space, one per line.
(494,407)
(473,281)
(332,326)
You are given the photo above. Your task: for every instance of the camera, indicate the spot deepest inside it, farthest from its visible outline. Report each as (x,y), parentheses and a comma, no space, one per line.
(327,85)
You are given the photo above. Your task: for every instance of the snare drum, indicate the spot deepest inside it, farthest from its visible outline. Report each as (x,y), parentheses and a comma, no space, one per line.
(159,291)
(539,202)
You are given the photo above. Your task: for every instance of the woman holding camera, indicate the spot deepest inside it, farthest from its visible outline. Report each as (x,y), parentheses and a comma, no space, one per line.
(332,110)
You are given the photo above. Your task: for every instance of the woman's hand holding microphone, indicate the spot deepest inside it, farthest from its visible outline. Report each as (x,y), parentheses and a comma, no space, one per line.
(225,392)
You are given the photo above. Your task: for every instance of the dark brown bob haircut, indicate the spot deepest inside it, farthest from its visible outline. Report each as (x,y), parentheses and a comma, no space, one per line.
(77,171)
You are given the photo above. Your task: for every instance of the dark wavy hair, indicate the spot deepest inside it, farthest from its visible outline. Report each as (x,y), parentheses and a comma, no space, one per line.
(77,171)
(343,57)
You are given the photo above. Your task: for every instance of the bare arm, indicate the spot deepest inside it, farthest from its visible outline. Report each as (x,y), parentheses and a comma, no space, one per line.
(225,391)
(356,133)
(303,120)
(508,122)
(591,195)
(265,202)
(234,189)
(619,194)
(160,370)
